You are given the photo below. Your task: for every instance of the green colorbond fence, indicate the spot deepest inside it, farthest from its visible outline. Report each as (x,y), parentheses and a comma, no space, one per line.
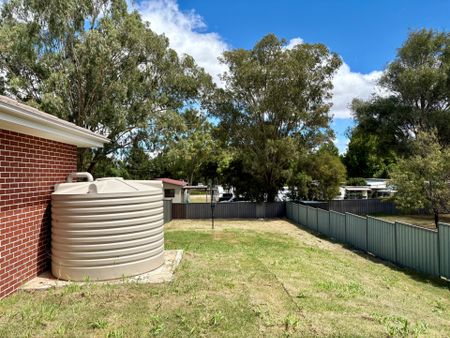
(381,239)
(167,207)
(289,210)
(444,248)
(303,214)
(337,226)
(356,231)
(312,218)
(417,248)
(295,213)
(420,249)
(323,222)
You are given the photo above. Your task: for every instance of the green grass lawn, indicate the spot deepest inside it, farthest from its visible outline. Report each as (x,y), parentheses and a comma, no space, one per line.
(426,221)
(244,279)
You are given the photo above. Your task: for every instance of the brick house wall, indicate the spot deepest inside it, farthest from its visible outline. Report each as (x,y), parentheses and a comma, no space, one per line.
(29,168)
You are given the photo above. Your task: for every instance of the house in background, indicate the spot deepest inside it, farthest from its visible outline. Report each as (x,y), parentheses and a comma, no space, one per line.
(380,187)
(174,189)
(374,188)
(349,192)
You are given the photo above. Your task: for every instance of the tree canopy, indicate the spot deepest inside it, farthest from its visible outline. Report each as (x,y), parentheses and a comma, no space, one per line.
(422,180)
(417,83)
(274,106)
(317,175)
(365,156)
(99,66)
(416,87)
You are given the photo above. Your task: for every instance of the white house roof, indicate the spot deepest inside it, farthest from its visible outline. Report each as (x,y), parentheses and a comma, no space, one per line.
(356,188)
(376,183)
(20,118)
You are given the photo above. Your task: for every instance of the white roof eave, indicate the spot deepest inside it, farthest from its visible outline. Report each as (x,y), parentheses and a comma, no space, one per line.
(20,118)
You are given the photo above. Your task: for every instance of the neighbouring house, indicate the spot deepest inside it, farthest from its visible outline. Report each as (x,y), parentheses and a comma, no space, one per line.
(174,189)
(37,150)
(374,188)
(353,192)
(379,187)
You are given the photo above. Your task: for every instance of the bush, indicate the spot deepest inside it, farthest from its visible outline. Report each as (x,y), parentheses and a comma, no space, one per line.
(356,181)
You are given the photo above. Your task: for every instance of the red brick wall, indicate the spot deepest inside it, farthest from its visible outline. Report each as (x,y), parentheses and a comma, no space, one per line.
(29,168)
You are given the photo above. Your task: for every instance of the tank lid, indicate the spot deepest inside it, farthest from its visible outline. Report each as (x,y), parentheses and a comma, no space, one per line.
(109,178)
(107,185)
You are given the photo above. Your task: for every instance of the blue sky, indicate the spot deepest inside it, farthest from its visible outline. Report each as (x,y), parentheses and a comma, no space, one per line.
(365,34)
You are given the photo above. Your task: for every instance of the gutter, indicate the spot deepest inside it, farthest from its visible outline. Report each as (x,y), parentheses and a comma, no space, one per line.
(18,117)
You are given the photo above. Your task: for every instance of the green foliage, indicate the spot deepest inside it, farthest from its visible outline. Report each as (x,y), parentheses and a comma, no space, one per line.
(94,63)
(422,179)
(317,176)
(193,147)
(275,105)
(356,181)
(237,176)
(194,153)
(329,147)
(368,156)
(137,162)
(109,167)
(397,326)
(418,81)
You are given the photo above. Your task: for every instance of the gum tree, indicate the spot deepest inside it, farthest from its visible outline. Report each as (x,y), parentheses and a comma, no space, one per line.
(417,84)
(94,63)
(275,104)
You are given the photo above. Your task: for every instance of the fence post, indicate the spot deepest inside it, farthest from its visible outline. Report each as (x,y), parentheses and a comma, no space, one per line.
(439,249)
(329,223)
(395,242)
(307,217)
(345,228)
(367,234)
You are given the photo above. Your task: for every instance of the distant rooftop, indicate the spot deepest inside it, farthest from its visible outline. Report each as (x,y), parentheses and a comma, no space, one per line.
(356,188)
(172,181)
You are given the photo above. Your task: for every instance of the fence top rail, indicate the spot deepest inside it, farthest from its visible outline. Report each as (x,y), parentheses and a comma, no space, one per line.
(418,227)
(226,203)
(336,212)
(357,200)
(357,216)
(444,224)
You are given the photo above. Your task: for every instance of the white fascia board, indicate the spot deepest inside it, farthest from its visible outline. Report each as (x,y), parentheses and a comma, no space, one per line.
(20,118)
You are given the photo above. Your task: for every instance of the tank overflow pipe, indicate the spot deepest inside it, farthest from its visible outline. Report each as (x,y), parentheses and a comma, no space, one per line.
(85,175)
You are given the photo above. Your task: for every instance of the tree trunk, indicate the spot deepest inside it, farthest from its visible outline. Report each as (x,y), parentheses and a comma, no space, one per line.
(271,194)
(436,218)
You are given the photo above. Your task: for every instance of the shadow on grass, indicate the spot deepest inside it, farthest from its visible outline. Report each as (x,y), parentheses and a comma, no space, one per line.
(417,276)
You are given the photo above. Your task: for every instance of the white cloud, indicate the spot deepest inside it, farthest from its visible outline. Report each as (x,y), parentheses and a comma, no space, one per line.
(294,42)
(186,33)
(349,85)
